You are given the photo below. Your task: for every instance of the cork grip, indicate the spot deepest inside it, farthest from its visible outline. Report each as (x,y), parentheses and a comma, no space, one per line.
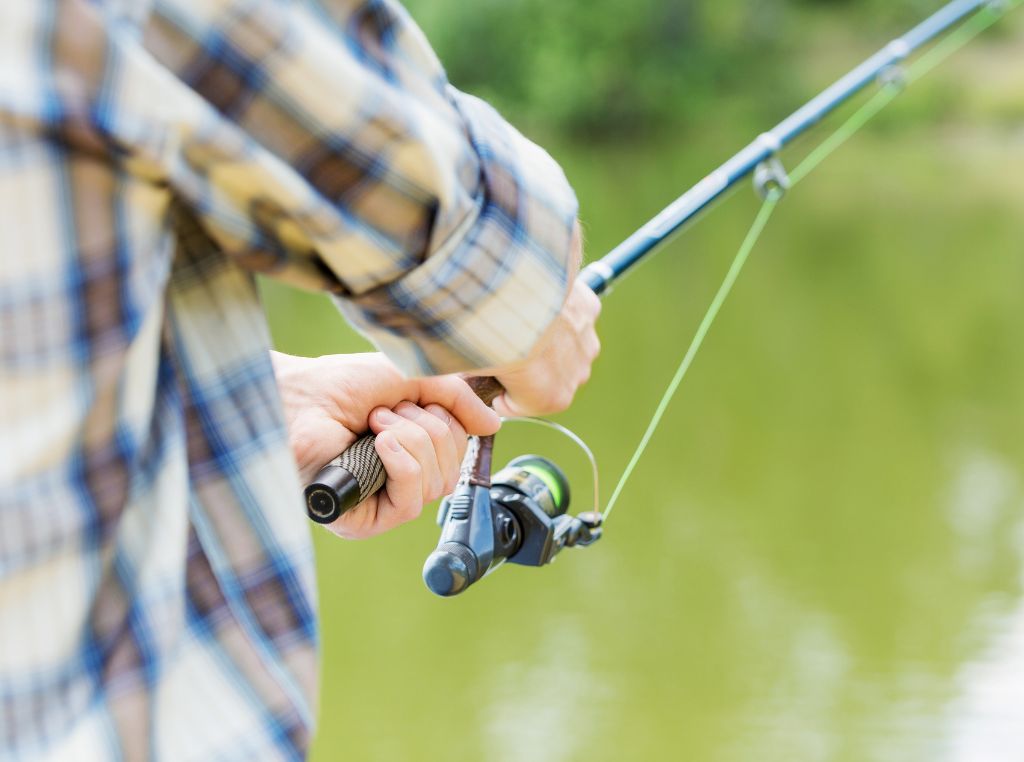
(358,473)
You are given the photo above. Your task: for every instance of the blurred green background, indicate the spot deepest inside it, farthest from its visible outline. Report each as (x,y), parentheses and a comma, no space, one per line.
(820,558)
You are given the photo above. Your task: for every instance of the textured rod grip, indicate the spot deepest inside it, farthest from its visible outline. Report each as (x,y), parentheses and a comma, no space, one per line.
(345,482)
(358,473)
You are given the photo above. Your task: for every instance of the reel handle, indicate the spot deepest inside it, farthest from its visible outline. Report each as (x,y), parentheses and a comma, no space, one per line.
(358,473)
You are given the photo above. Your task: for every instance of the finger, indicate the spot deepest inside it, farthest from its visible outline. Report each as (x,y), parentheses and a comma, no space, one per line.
(417,442)
(454,395)
(435,423)
(461,441)
(365,519)
(401,499)
(506,407)
(591,301)
(458,439)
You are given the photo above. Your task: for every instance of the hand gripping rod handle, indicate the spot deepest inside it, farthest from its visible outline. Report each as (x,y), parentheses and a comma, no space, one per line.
(358,473)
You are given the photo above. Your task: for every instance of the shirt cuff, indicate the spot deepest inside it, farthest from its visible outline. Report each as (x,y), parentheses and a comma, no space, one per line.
(484,296)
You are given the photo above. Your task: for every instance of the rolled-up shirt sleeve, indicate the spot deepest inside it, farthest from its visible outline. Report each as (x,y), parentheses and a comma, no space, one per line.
(487,291)
(323,145)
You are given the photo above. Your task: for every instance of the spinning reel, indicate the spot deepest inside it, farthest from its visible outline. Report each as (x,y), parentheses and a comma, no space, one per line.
(518,515)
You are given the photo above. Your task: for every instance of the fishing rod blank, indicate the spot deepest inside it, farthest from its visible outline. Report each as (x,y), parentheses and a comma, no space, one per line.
(358,473)
(599,275)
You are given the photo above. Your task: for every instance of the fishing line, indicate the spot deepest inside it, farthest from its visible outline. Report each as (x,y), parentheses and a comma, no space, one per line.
(856,122)
(756,229)
(853,124)
(849,128)
(521,513)
(958,38)
(566,431)
(922,66)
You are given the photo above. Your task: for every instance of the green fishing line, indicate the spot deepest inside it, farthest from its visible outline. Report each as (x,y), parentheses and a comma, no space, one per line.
(922,66)
(867,111)
(849,128)
(702,331)
(957,39)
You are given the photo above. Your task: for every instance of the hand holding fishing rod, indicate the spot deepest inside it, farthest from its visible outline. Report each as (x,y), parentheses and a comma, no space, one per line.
(422,422)
(543,383)
(520,514)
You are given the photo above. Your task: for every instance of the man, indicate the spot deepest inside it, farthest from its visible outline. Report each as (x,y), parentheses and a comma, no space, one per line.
(156,582)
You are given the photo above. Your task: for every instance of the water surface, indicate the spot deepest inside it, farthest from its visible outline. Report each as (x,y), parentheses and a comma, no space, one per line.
(820,558)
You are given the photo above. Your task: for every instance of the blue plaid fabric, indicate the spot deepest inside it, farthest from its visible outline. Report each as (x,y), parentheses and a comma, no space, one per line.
(157,596)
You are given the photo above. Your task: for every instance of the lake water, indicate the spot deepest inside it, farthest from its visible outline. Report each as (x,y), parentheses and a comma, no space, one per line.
(820,557)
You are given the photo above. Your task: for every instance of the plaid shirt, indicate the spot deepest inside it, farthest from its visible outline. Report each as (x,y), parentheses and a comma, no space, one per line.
(157,593)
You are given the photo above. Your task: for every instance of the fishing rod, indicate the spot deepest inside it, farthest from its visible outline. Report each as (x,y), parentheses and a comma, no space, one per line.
(520,514)
(760,158)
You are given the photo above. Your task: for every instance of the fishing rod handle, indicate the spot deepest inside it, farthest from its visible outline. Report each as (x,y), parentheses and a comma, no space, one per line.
(358,473)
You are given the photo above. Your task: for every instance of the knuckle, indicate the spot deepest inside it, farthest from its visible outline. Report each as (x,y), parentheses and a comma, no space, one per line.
(420,421)
(438,430)
(439,413)
(430,435)
(416,436)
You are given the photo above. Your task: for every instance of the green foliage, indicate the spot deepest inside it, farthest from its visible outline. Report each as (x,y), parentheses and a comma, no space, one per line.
(598,67)
(595,65)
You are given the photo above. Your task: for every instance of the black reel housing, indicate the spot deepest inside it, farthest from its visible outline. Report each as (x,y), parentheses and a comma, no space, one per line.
(519,517)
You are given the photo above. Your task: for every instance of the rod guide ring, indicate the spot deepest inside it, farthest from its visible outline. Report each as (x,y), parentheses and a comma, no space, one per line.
(770,178)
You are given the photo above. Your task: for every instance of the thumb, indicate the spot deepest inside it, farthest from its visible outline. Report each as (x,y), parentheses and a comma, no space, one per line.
(506,406)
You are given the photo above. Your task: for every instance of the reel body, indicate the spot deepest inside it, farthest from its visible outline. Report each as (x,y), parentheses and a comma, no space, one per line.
(518,516)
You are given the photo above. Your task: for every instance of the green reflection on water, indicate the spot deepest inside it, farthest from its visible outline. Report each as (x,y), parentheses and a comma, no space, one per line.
(819,558)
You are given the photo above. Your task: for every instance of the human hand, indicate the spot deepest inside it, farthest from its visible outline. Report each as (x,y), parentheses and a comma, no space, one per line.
(560,363)
(421,427)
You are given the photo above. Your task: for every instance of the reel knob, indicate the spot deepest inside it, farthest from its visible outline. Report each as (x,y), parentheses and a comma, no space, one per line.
(450,569)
